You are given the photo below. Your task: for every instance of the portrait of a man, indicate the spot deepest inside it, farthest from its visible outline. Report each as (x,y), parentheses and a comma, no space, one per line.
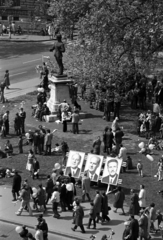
(74,164)
(111,171)
(93,166)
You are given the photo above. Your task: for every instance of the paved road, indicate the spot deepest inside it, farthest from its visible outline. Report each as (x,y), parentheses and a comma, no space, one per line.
(7,231)
(21,58)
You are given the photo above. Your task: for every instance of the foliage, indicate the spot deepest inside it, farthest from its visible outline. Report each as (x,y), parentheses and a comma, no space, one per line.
(115,37)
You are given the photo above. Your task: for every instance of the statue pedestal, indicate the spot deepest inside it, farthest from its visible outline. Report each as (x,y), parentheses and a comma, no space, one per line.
(59,90)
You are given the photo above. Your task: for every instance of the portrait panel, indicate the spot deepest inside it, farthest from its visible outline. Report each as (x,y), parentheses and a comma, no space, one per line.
(74,163)
(93,166)
(111,171)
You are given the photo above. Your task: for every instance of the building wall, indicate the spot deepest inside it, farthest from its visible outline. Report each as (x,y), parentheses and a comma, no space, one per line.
(19,14)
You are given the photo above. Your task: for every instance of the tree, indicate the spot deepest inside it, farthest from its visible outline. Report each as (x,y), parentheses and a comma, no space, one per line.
(118,37)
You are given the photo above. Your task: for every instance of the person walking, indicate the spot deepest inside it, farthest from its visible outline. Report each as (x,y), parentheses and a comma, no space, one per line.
(36,168)
(79,215)
(55,199)
(41,197)
(134,225)
(16,185)
(92,216)
(134,203)
(97,146)
(127,233)
(108,140)
(143,226)
(75,122)
(25,200)
(86,187)
(49,188)
(6,121)
(17,124)
(48,141)
(63,193)
(97,204)
(2,88)
(20,144)
(69,193)
(30,161)
(7,79)
(36,142)
(119,200)
(22,115)
(105,208)
(43,226)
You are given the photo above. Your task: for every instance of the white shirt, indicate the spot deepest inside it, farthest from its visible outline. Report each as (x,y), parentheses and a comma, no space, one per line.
(111,179)
(70,187)
(91,176)
(56,197)
(142,197)
(39,235)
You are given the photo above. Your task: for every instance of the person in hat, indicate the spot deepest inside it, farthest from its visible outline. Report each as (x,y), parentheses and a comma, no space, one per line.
(127,233)
(79,217)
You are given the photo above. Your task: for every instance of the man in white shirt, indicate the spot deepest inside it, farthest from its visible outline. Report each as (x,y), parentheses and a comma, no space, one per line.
(73,168)
(55,199)
(94,163)
(142,197)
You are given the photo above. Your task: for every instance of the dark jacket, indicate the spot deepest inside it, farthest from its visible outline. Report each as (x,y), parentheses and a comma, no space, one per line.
(79,215)
(49,186)
(134,205)
(105,204)
(119,199)
(16,185)
(134,225)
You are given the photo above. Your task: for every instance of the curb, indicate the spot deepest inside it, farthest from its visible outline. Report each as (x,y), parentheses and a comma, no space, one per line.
(50,231)
(19,40)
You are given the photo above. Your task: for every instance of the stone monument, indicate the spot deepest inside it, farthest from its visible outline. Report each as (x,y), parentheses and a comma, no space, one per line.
(59,89)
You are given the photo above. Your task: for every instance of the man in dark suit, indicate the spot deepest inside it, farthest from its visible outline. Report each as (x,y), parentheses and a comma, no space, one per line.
(73,168)
(94,163)
(134,225)
(112,177)
(16,185)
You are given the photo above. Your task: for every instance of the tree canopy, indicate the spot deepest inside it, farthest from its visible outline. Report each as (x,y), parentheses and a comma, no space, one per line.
(115,37)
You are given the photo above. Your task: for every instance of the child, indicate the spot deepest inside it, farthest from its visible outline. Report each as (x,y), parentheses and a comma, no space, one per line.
(140,168)
(159,218)
(92,216)
(20,144)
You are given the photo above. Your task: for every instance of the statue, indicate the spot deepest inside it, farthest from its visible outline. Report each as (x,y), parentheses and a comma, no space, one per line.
(59,49)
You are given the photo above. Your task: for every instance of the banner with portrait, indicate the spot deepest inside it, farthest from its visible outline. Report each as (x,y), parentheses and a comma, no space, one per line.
(93,166)
(74,163)
(111,171)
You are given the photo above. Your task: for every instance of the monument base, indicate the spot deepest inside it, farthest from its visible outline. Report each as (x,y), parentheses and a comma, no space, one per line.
(59,92)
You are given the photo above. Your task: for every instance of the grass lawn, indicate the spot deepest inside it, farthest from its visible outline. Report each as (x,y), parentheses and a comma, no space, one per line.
(91,128)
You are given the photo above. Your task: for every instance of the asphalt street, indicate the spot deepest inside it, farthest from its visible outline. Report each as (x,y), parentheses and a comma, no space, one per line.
(7,231)
(20,58)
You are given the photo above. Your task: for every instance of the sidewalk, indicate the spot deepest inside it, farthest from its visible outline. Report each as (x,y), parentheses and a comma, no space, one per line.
(25,38)
(60,226)
(22,88)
